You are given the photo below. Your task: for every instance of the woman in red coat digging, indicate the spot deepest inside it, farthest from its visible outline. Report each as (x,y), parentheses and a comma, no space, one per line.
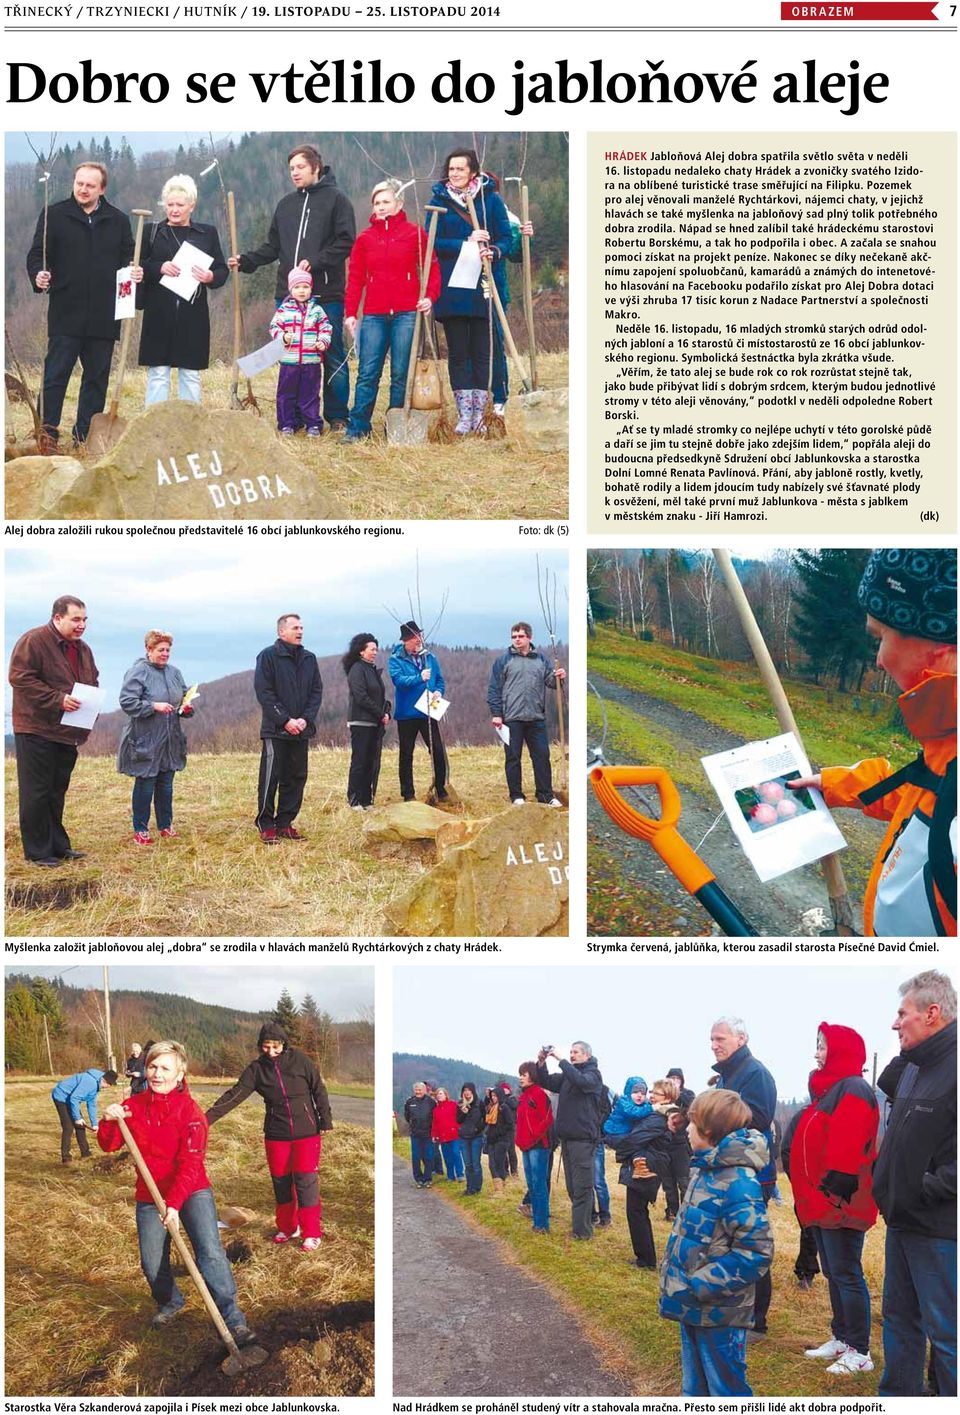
(831,1159)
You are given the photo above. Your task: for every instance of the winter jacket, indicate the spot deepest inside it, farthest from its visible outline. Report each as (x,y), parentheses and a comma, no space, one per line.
(648,1138)
(418,1113)
(151,742)
(295,1099)
(84,253)
(534,1118)
(578,1088)
(305,330)
(171,1134)
(721,1243)
(453,229)
(405,670)
(915,1177)
(136,1069)
(912,887)
(41,675)
(470,1125)
(626,1112)
(368,698)
(176,332)
(315,224)
(385,268)
(743,1073)
(443,1123)
(80,1089)
(834,1142)
(500,1122)
(517,691)
(288,685)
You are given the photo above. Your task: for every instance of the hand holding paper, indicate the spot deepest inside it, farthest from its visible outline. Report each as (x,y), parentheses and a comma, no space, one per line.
(91,701)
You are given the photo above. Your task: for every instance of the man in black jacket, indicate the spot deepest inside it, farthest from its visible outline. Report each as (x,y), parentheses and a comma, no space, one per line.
(314,228)
(577,1125)
(87,242)
(418,1113)
(676,1181)
(915,1186)
(289,690)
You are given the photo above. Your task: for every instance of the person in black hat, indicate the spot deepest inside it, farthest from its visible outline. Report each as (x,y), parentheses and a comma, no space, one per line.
(297,1114)
(910,599)
(413,670)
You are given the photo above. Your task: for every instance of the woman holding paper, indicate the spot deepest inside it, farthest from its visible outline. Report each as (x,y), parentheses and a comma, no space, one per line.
(463,309)
(176,321)
(153,746)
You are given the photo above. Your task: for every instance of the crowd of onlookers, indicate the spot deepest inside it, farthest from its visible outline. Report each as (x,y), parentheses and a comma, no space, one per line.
(854,1153)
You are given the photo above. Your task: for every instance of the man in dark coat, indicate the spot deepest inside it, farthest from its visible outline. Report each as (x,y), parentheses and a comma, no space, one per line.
(915,1186)
(677,1177)
(314,228)
(45,665)
(289,690)
(577,1127)
(87,242)
(739,1070)
(418,1113)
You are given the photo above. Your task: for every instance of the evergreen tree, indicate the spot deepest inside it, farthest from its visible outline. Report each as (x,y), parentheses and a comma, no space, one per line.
(23,1030)
(285,1013)
(829,623)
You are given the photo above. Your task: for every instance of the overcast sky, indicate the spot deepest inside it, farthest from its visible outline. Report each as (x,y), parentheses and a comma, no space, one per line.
(644,1020)
(340,991)
(221,599)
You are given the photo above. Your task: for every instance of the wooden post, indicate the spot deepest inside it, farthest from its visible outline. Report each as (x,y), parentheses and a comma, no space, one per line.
(46,1038)
(528,285)
(234,251)
(111,1059)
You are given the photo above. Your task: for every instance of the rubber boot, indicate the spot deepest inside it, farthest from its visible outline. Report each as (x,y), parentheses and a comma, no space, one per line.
(498,1188)
(464,397)
(479,405)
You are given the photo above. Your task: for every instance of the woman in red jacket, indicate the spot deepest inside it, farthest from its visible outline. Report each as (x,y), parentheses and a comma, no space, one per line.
(445,1132)
(534,1118)
(385,266)
(831,1159)
(171,1133)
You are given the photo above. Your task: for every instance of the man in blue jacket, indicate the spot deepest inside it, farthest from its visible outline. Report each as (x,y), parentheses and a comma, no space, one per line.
(289,690)
(413,671)
(739,1070)
(517,699)
(68,1096)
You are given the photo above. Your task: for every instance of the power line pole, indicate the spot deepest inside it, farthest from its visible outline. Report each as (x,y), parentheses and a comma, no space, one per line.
(46,1038)
(111,1059)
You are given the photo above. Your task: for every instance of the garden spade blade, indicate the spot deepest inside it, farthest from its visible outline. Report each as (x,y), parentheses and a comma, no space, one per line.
(108,428)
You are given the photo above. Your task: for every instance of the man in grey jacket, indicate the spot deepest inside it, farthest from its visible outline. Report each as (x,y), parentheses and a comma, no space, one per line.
(517,699)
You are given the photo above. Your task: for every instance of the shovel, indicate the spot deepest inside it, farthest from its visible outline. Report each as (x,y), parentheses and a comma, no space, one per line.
(107,428)
(237,1360)
(408,426)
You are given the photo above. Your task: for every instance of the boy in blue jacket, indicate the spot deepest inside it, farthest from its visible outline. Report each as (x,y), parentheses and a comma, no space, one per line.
(720,1245)
(68,1096)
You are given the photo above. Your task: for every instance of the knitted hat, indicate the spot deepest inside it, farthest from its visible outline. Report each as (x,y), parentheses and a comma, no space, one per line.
(913,591)
(272,1032)
(675,1072)
(299,277)
(410,630)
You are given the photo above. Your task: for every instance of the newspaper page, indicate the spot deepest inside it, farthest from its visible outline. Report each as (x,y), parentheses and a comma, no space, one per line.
(518,337)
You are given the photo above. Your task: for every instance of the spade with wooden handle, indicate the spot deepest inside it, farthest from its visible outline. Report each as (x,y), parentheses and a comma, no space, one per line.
(238,1360)
(498,303)
(408,425)
(528,286)
(107,428)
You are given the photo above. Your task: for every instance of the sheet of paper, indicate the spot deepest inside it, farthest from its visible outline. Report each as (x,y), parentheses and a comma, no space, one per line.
(431,705)
(91,700)
(778,829)
(186,285)
(466,272)
(261,359)
(125,295)
(503,732)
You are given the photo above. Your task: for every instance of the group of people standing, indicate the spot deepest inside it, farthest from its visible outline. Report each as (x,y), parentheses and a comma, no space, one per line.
(49,662)
(80,244)
(171,1130)
(713,1155)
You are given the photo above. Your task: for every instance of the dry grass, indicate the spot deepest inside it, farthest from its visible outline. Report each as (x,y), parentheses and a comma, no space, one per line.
(77,1306)
(621,1317)
(217,878)
(506,479)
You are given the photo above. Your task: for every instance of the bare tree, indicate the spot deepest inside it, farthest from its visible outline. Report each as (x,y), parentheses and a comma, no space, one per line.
(702,587)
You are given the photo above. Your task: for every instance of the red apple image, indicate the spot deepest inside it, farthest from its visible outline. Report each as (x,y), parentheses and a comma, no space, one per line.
(764,814)
(786,809)
(771,792)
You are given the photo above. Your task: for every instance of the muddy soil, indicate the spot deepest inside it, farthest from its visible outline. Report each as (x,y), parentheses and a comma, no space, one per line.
(662,906)
(450,1282)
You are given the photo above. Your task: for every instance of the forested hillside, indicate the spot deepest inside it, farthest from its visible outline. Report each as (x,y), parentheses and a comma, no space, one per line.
(409,1067)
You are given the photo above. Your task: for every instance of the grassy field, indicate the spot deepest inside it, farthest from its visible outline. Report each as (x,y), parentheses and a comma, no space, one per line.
(78,1308)
(730,695)
(496,479)
(217,878)
(616,1303)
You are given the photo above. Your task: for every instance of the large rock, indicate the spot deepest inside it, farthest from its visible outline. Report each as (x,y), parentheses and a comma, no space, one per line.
(509,881)
(546,418)
(34,486)
(177,462)
(404,820)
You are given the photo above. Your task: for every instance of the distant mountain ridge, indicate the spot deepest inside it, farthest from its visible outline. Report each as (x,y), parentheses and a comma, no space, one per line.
(445,1071)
